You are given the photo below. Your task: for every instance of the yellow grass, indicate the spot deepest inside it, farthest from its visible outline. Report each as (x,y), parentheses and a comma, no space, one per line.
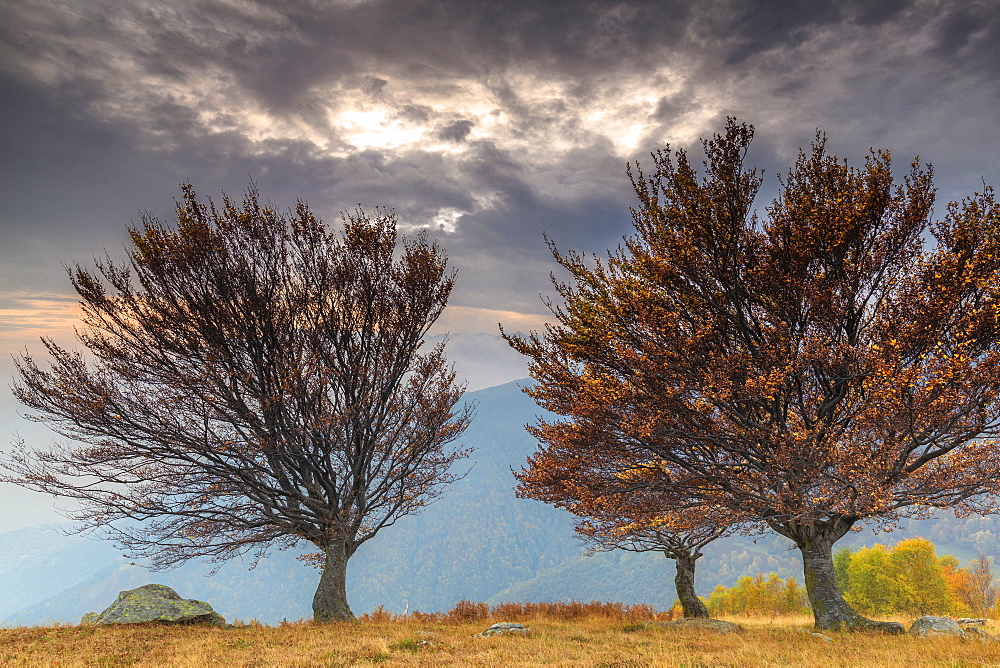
(442,640)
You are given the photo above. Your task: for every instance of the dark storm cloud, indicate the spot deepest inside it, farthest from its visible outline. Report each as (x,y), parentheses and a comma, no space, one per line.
(756,27)
(459,37)
(456,131)
(485,121)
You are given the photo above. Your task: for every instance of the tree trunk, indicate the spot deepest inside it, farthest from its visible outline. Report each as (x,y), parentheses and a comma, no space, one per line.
(684,582)
(330,600)
(830,610)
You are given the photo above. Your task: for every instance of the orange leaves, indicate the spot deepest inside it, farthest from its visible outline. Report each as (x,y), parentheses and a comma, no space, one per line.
(816,361)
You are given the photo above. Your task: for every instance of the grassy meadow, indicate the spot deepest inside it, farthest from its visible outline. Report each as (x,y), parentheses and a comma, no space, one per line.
(574,635)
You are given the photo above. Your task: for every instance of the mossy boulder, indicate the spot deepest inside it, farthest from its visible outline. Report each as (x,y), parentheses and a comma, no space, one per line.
(158,603)
(928,625)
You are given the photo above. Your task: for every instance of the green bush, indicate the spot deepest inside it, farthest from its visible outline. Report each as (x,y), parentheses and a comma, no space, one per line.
(759,596)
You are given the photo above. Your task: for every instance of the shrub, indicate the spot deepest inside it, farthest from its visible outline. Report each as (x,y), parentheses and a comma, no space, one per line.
(759,596)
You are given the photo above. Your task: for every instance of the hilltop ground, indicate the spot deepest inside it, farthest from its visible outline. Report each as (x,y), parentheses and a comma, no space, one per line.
(590,640)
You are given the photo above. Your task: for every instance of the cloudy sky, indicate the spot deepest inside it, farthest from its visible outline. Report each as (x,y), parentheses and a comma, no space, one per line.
(488,123)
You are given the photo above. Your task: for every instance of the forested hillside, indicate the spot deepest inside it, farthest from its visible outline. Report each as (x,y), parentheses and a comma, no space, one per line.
(478,542)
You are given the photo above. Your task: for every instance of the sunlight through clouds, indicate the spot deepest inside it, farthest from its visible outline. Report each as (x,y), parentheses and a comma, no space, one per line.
(390,107)
(484,123)
(374,129)
(447,219)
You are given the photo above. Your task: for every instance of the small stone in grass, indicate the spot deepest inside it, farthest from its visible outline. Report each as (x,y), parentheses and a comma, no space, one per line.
(502,628)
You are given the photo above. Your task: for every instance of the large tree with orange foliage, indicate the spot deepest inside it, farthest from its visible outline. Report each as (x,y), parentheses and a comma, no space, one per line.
(253,378)
(827,364)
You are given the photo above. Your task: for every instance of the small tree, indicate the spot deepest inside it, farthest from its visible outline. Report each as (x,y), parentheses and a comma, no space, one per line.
(253,380)
(975,586)
(636,522)
(757,596)
(810,370)
(660,534)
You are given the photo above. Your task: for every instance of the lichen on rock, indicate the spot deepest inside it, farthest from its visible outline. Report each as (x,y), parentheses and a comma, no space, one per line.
(157,603)
(503,628)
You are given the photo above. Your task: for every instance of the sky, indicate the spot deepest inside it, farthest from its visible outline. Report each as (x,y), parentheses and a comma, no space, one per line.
(489,124)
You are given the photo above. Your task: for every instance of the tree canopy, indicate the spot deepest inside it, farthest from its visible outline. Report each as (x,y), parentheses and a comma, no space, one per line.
(909,578)
(834,361)
(251,378)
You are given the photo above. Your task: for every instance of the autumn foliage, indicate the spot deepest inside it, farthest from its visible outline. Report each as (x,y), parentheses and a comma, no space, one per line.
(759,595)
(910,579)
(832,362)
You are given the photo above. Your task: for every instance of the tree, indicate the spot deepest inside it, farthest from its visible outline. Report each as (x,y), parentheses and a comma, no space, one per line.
(809,370)
(638,521)
(606,530)
(908,578)
(252,380)
(974,586)
(757,596)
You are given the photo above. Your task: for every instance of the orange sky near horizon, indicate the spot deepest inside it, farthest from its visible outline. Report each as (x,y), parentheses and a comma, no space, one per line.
(29,316)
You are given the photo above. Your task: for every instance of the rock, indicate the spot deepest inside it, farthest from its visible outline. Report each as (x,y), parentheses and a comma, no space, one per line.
(502,628)
(158,603)
(431,644)
(714,625)
(978,633)
(929,625)
(889,628)
(816,634)
(89,618)
(970,621)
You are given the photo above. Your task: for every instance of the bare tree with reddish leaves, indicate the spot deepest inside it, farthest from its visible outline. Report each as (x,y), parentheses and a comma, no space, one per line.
(661,534)
(817,368)
(251,379)
(638,520)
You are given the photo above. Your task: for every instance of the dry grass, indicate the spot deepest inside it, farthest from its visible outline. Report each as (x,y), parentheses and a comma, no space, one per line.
(575,635)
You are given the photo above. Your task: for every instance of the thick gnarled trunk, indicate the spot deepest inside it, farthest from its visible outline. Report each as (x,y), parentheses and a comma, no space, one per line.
(830,611)
(330,600)
(692,606)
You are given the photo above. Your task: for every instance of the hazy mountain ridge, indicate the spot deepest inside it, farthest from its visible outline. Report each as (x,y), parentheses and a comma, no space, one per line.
(41,559)
(473,542)
(477,542)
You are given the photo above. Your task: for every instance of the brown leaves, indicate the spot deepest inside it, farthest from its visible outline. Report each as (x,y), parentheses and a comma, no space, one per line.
(252,376)
(820,362)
